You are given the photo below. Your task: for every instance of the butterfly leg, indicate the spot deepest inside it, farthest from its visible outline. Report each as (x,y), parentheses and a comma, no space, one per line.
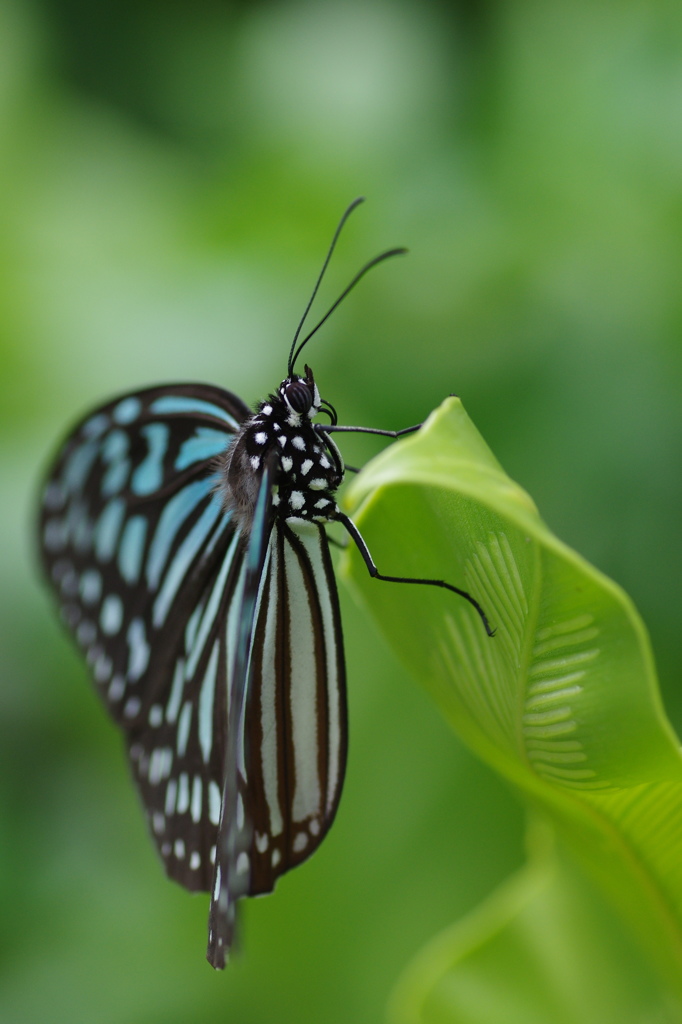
(326,428)
(375,574)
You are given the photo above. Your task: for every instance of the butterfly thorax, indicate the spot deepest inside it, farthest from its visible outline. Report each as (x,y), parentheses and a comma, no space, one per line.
(308,467)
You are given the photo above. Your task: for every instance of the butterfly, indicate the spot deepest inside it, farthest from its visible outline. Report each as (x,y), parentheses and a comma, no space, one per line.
(184,537)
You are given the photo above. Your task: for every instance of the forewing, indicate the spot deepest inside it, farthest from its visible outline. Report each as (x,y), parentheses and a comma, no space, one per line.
(232,876)
(144,560)
(220,656)
(178,751)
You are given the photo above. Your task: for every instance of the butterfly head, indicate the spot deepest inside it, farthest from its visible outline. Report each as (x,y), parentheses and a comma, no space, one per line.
(301,397)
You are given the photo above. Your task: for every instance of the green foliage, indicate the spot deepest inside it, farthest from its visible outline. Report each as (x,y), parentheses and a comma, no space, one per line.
(562,701)
(171,174)
(543,948)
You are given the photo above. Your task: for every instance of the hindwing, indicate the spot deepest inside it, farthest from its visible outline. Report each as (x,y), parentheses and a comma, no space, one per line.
(286,752)
(296,710)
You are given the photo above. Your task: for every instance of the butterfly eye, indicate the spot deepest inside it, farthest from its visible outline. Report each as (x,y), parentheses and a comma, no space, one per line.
(299,396)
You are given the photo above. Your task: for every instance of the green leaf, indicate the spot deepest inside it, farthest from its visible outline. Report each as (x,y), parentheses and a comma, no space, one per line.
(543,948)
(563,701)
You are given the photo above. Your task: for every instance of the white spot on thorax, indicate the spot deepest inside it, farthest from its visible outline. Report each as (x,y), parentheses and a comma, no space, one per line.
(318,484)
(287,463)
(261,437)
(255,461)
(296,500)
(298,442)
(306,466)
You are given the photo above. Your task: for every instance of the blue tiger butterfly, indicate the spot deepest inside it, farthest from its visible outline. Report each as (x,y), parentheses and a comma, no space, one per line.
(184,538)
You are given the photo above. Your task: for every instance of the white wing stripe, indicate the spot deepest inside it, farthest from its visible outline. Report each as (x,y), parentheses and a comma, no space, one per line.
(176,692)
(108,528)
(171,520)
(168,404)
(148,476)
(334,697)
(204,444)
(182,560)
(131,549)
(209,616)
(206,706)
(303,691)
(232,627)
(268,696)
(183,728)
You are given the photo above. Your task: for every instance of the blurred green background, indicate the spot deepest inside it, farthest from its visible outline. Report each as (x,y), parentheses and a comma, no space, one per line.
(170,175)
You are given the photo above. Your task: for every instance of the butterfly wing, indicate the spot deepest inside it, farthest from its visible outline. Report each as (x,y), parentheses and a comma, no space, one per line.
(144,562)
(189,625)
(297,729)
(287,755)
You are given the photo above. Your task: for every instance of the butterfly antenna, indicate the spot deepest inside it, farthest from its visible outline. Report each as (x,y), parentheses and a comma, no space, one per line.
(292,357)
(361,273)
